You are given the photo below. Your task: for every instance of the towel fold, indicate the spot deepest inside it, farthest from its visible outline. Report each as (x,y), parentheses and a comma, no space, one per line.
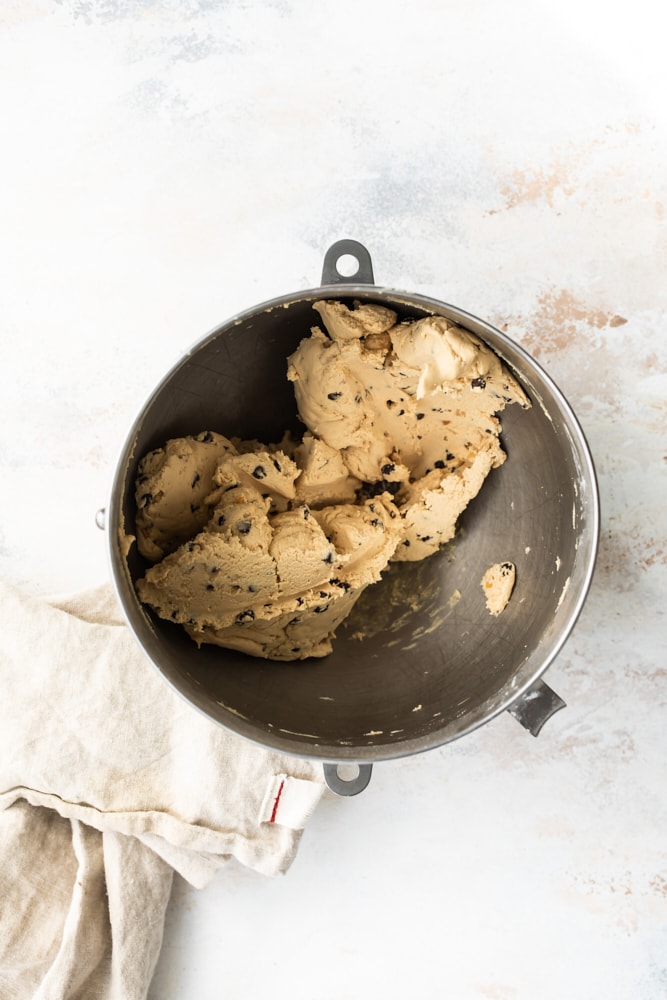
(110,782)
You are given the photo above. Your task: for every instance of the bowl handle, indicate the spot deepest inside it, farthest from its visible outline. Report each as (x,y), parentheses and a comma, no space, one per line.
(347,786)
(535,706)
(347,248)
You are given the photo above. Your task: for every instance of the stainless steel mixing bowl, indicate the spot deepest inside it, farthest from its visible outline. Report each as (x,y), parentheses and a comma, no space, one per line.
(430,666)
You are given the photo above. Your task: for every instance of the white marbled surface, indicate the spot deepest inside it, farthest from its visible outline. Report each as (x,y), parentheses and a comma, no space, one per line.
(166,164)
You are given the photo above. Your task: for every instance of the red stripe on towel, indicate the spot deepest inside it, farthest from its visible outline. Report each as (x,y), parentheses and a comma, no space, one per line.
(276,801)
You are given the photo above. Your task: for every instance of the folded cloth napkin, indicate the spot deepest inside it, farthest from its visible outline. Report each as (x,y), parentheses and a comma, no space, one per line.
(110,782)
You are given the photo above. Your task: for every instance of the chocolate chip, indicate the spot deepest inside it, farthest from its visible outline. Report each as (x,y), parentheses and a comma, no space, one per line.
(196,479)
(407,542)
(234,486)
(390,403)
(191,546)
(387,469)
(427,538)
(145,501)
(209,586)
(143,478)
(420,416)
(506,569)
(206,437)
(294,621)
(324,593)
(243,527)
(306,513)
(376,523)
(358,398)
(450,457)
(369,490)
(221,520)
(478,383)
(329,558)
(215,569)
(321,610)
(245,616)
(334,395)
(341,583)
(401,412)
(439,464)
(259,472)
(276,465)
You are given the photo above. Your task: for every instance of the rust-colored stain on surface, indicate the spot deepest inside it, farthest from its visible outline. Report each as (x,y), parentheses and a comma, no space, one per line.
(558,318)
(529,186)
(560,313)
(573,169)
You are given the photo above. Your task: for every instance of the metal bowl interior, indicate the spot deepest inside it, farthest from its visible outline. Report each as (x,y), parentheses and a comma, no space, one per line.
(420,662)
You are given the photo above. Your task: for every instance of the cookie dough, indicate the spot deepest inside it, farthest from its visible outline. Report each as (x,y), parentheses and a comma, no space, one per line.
(172,485)
(411,408)
(273,585)
(266,548)
(324,478)
(498,584)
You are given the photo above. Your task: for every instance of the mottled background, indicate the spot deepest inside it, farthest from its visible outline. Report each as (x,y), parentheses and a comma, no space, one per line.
(166,164)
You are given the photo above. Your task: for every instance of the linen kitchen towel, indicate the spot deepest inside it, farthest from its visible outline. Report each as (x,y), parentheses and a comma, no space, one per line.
(110,782)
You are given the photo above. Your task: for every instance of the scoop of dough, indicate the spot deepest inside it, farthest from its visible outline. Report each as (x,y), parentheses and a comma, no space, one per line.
(441,353)
(377,408)
(296,629)
(218,574)
(324,478)
(432,506)
(250,577)
(365,535)
(346,324)
(270,473)
(300,625)
(172,487)
(498,584)
(416,419)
